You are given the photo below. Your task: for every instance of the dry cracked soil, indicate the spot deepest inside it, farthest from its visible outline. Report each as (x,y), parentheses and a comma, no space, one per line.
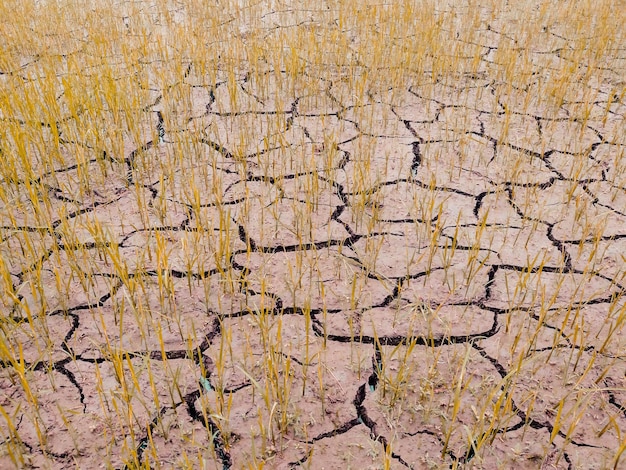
(424,276)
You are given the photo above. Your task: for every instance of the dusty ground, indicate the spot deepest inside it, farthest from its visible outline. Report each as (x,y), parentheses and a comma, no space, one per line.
(452,295)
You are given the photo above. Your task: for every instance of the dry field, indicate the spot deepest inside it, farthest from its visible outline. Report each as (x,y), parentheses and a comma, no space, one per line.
(330,234)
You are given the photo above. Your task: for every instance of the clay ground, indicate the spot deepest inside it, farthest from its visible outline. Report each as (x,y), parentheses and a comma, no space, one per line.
(247,262)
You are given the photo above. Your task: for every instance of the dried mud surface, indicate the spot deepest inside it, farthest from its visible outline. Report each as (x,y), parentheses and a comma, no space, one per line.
(343,305)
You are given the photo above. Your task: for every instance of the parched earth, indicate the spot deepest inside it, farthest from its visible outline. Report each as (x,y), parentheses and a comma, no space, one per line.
(426,276)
